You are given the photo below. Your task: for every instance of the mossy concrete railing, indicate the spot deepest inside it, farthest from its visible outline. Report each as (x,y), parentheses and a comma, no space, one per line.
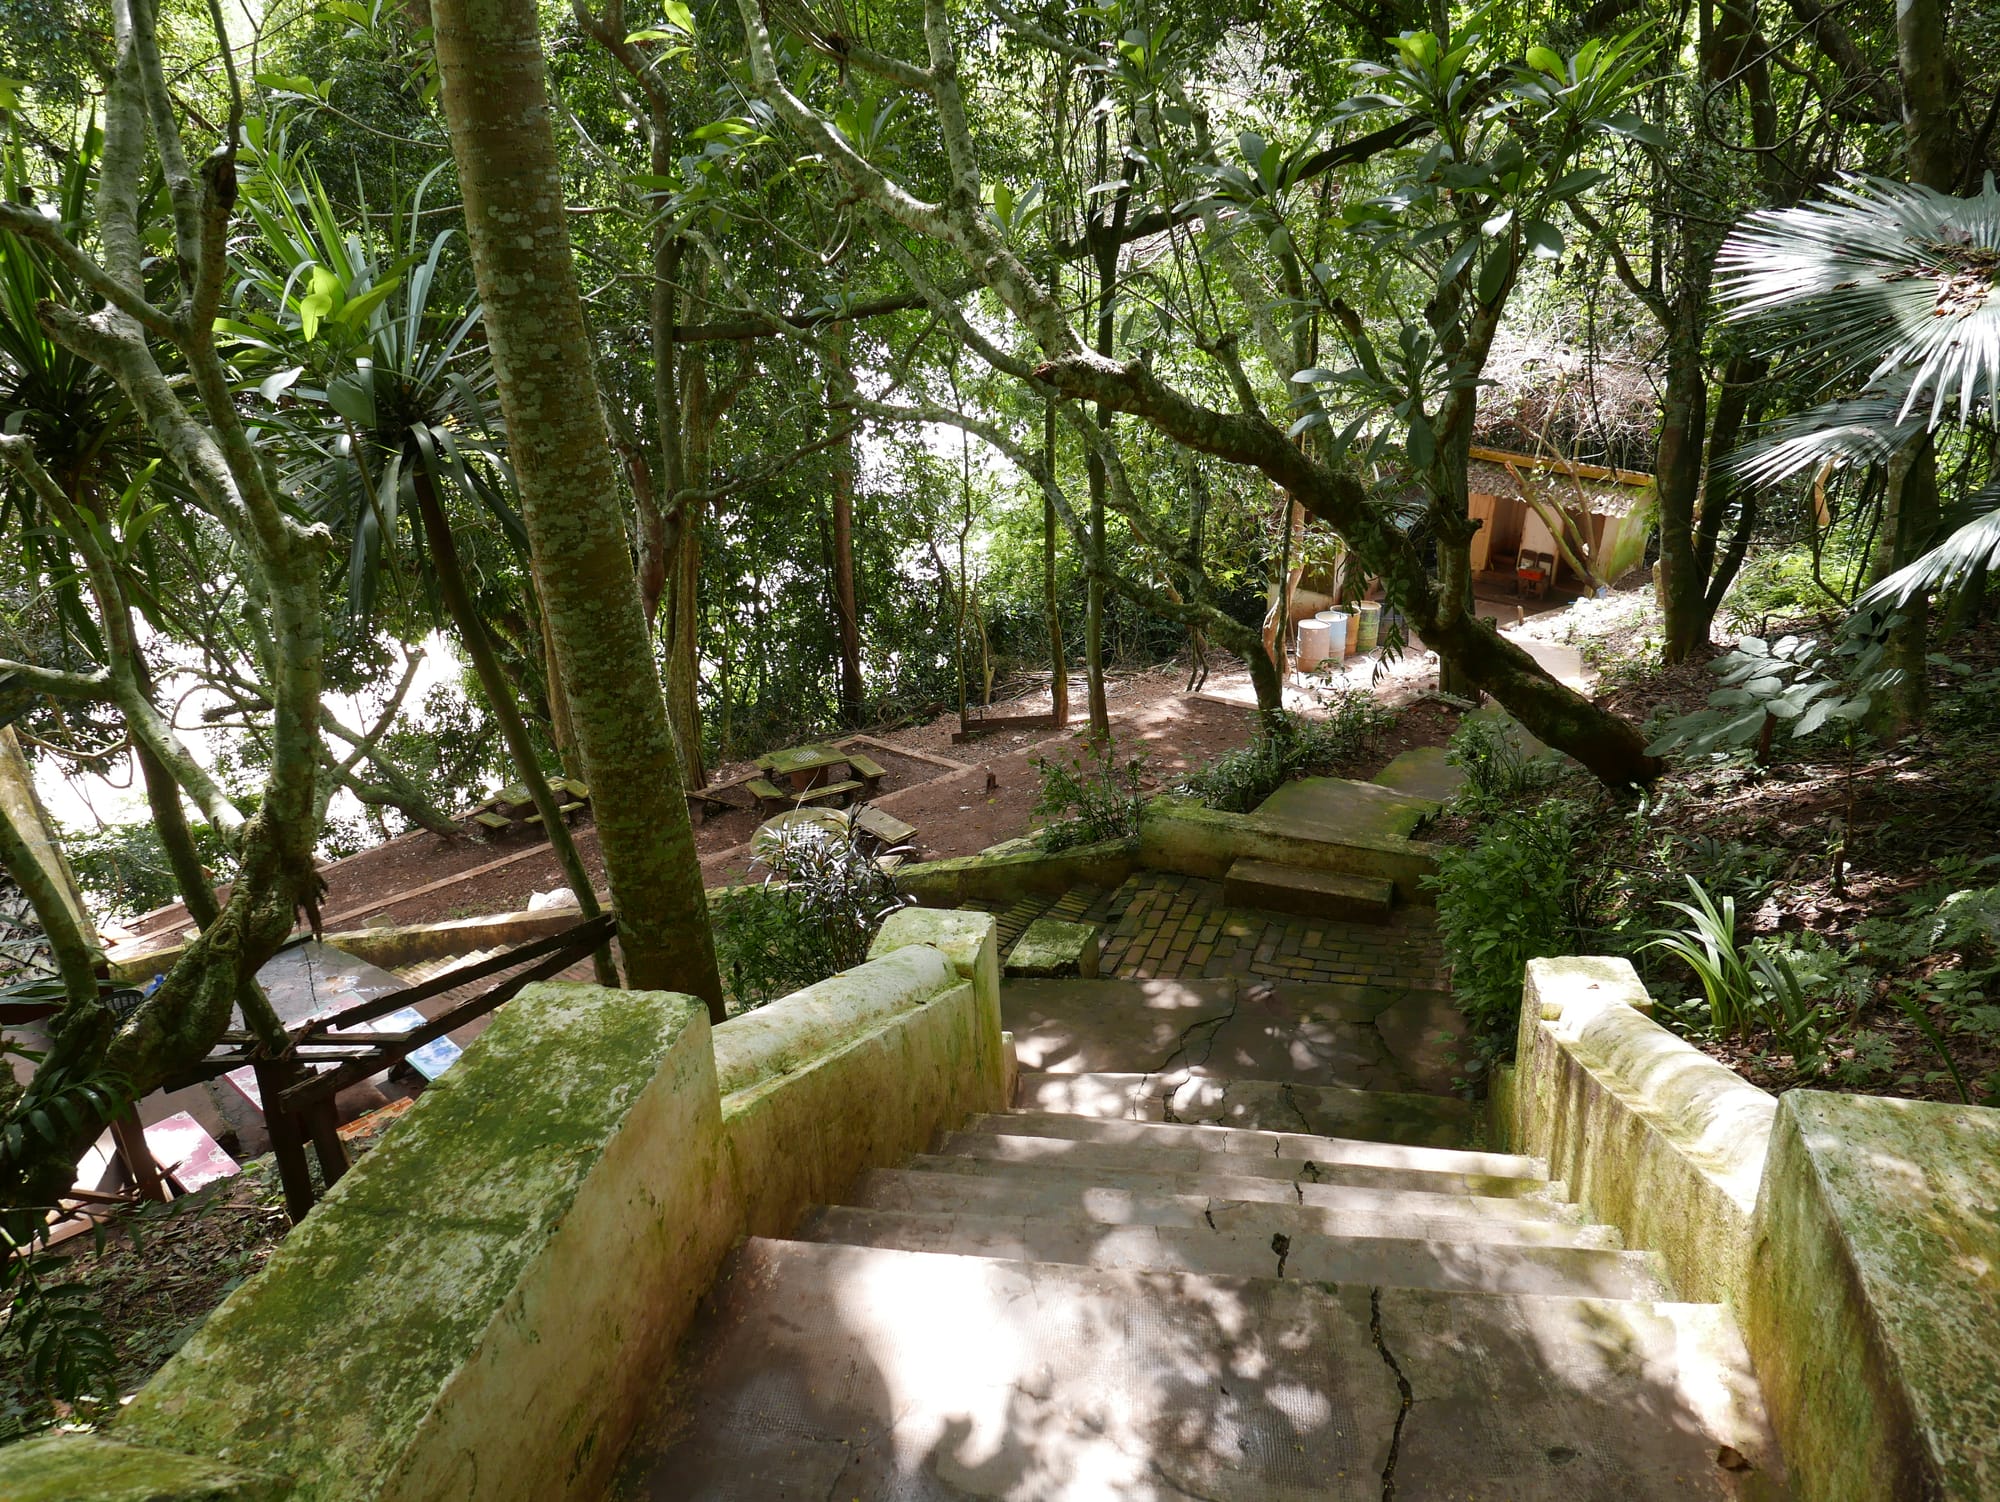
(1856,1239)
(1178,835)
(480,1308)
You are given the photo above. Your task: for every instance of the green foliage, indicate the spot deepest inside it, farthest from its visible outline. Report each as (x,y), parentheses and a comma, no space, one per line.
(815,915)
(1508,898)
(1089,800)
(1287,746)
(1499,771)
(1795,681)
(1800,992)
(124,866)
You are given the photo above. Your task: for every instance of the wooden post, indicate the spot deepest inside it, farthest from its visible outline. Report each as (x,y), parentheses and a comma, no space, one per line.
(130,1139)
(274,1076)
(323,1123)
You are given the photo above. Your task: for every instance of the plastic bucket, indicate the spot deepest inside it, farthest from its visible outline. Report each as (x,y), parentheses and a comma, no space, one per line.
(1340,638)
(1371,626)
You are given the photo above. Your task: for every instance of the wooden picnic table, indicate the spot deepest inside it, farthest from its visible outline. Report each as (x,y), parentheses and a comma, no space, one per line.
(800,775)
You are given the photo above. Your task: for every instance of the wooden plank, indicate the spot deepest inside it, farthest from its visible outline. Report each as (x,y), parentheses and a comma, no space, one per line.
(326,1086)
(581,938)
(996,724)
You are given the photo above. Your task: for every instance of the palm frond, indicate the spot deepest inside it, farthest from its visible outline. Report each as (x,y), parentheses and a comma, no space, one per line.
(1858,431)
(1971,550)
(1879,279)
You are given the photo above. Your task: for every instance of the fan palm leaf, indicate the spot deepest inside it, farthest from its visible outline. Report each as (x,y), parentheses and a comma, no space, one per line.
(1971,550)
(1879,280)
(1855,432)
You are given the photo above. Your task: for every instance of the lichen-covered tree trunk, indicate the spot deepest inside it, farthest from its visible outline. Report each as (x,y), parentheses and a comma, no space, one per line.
(846,608)
(497,110)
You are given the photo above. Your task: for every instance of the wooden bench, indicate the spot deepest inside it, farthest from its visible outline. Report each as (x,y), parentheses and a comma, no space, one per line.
(828,794)
(870,771)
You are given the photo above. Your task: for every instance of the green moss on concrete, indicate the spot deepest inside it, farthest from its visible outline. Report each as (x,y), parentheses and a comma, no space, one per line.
(93,1468)
(1052,949)
(1650,1133)
(1423,772)
(1018,869)
(1179,835)
(794,1030)
(326,1364)
(1876,1281)
(1335,808)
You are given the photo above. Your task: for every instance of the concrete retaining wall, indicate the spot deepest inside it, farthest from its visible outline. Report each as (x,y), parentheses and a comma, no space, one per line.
(478,1309)
(1178,835)
(1857,1239)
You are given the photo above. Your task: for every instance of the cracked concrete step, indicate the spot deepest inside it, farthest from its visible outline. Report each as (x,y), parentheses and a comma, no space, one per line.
(1259,1143)
(821,1370)
(1151,1157)
(1324,1110)
(1210,1182)
(1279,888)
(1389,1262)
(1355,1212)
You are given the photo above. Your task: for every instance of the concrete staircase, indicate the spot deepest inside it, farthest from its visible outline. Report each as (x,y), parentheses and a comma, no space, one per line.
(1058,1303)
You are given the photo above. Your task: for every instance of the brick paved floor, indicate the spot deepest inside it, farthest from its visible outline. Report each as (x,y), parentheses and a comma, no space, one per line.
(1160,926)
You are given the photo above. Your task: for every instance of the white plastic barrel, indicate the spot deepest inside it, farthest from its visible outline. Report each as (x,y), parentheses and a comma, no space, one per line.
(1313,640)
(1338,644)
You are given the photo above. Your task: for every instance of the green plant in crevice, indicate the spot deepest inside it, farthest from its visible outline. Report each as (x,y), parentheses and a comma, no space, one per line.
(1287,746)
(1499,771)
(1510,897)
(1090,800)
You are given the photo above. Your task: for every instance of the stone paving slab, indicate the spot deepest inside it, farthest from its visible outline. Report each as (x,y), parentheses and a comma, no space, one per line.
(1335,808)
(1323,1110)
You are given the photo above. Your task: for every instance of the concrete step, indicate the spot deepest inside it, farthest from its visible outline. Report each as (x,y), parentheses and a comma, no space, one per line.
(1348,1212)
(1387,1262)
(1324,1110)
(1276,887)
(1209,1181)
(819,1370)
(1310,894)
(1258,1143)
(1146,1157)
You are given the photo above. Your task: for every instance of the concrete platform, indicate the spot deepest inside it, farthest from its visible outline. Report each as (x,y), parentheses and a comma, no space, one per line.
(1279,888)
(1334,808)
(825,1371)
(1377,1115)
(1422,772)
(1285,1032)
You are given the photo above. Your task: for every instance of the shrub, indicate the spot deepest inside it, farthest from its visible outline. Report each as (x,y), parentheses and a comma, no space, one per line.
(815,915)
(1499,770)
(1507,898)
(1089,800)
(1288,746)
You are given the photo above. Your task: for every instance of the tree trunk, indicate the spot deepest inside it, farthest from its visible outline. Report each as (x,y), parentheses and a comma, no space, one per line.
(847,616)
(496,106)
(1051,604)
(1677,485)
(513,729)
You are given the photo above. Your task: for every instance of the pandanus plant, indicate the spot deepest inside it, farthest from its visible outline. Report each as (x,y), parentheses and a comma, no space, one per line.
(385,390)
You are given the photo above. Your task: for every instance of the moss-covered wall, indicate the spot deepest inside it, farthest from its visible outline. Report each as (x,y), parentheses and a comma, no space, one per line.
(1874,1316)
(1178,835)
(477,1311)
(456,1319)
(1650,1133)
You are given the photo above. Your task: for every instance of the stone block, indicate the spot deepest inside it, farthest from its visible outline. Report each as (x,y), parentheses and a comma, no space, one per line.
(1050,949)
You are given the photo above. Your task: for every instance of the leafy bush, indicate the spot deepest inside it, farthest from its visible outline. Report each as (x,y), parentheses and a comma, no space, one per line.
(1089,800)
(1288,746)
(820,905)
(1506,899)
(1499,770)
